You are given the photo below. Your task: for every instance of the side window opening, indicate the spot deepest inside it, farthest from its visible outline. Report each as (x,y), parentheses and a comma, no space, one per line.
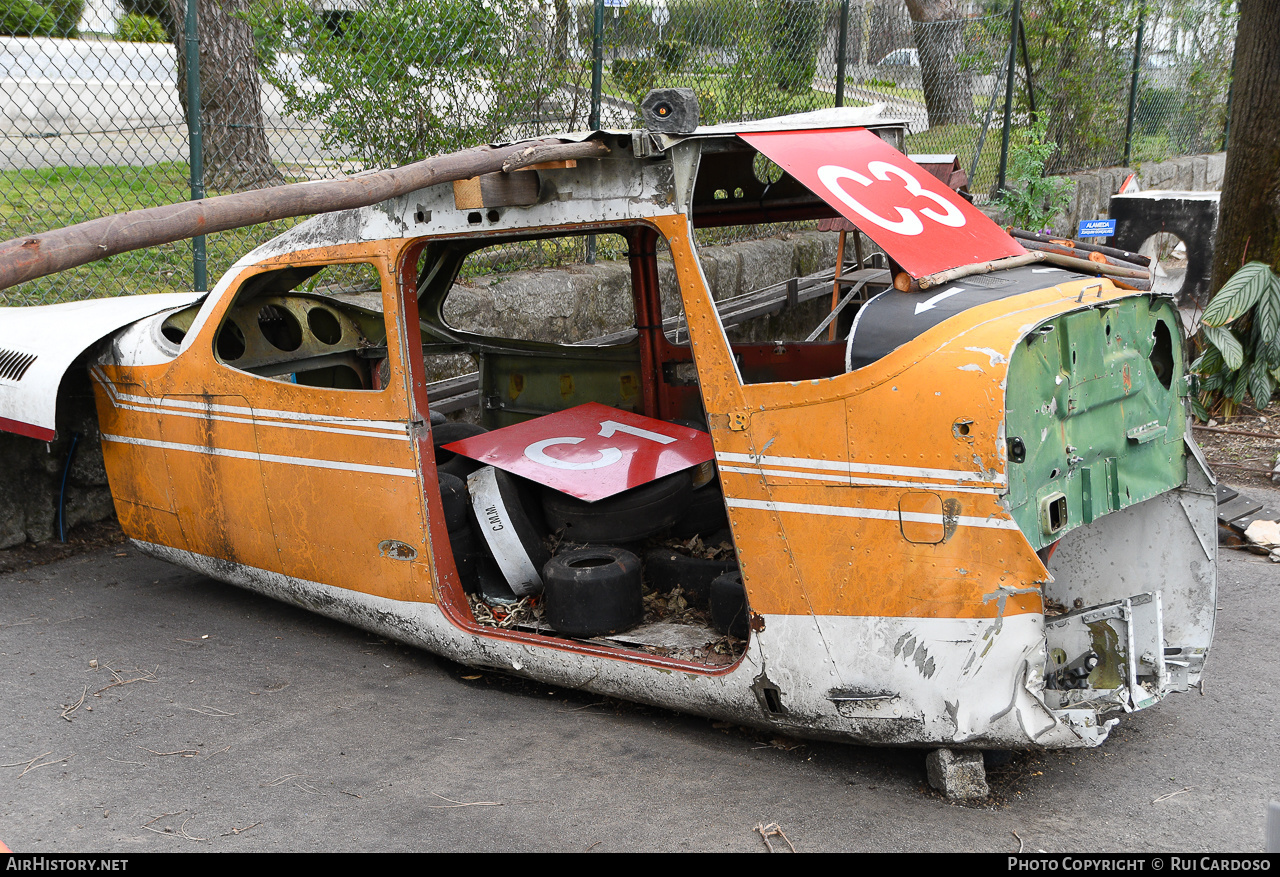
(567,305)
(550,340)
(502,343)
(314,325)
(777,307)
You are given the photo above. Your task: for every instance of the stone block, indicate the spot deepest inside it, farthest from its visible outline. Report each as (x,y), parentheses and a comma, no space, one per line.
(1215,170)
(958,775)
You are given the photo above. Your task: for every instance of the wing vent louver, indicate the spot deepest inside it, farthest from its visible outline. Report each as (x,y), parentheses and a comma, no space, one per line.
(14,364)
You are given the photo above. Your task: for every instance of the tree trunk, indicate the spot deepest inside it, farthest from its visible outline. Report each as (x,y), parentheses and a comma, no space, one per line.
(939,33)
(1249,212)
(236,153)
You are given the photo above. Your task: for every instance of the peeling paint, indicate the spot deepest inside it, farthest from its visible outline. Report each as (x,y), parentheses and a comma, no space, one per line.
(996,357)
(971,367)
(1002,594)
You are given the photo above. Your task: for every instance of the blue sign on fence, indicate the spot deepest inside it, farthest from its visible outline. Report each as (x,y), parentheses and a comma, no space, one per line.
(1096,228)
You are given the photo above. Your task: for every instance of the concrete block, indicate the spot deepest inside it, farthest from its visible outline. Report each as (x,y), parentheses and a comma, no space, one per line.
(1088,197)
(1183,174)
(1199,172)
(1215,170)
(958,775)
(766,262)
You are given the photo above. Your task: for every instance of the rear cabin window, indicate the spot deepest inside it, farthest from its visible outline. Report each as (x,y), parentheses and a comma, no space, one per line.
(566,305)
(315,325)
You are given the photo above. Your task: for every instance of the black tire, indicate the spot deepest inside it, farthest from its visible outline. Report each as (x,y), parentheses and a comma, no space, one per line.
(513,540)
(467,555)
(729,613)
(492,586)
(629,516)
(447,461)
(704,514)
(437,419)
(593,592)
(457,502)
(666,569)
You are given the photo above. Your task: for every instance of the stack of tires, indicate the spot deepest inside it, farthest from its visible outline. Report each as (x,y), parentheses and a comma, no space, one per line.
(501,527)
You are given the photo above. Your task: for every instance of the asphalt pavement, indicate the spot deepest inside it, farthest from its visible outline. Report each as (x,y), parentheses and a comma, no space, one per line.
(146,708)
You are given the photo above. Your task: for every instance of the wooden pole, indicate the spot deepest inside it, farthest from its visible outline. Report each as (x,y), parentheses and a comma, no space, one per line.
(1136,258)
(835,284)
(27,258)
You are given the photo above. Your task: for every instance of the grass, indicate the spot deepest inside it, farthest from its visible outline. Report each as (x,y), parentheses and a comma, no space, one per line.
(34,201)
(722,97)
(962,140)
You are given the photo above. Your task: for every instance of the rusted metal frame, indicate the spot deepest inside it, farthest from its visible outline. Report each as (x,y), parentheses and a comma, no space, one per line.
(835,285)
(451,598)
(403,316)
(782,210)
(642,255)
(27,258)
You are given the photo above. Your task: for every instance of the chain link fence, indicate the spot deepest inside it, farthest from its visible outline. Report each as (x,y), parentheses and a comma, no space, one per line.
(93,116)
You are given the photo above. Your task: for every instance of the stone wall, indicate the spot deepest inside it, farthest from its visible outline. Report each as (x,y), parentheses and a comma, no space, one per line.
(31,472)
(578,302)
(1092,197)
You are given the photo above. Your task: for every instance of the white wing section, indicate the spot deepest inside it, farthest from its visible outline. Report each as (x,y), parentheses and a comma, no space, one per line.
(38,345)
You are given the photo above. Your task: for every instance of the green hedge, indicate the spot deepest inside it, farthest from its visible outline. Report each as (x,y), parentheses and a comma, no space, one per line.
(50,18)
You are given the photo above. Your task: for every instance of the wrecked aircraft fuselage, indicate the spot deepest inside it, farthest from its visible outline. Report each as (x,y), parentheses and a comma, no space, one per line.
(974,517)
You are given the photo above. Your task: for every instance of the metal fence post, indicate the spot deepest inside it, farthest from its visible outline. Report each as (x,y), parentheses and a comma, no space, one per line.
(597,62)
(597,86)
(1133,84)
(191,46)
(1026,66)
(1015,20)
(842,46)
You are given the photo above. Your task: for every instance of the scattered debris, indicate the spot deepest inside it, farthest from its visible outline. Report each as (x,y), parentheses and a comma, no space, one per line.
(1171,794)
(772,830)
(452,803)
(278,780)
(68,710)
(168,829)
(1266,533)
(31,765)
(185,753)
(527,612)
(145,677)
(212,711)
(246,828)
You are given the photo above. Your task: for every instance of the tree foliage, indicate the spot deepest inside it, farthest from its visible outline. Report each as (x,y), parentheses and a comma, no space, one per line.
(47,18)
(1249,211)
(135,28)
(1240,342)
(1081,60)
(1033,200)
(397,82)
